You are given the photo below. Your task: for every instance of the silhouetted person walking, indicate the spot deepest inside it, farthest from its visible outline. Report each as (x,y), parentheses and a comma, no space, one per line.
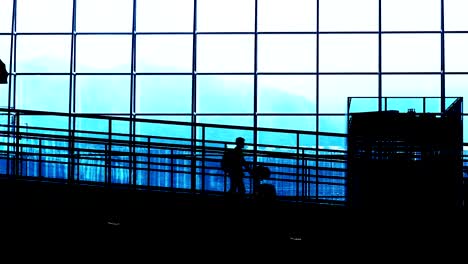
(3,73)
(233,164)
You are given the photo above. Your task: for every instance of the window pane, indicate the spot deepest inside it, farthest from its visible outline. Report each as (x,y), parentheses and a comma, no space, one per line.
(5,57)
(5,44)
(104,15)
(164,130)
(6,13)
(43,53)
(465,137)
(348,53)
(411,53)
(165,16)
(456,54)
(225,94)
(306,123)
(46,121)
(286,53)
(286,142)
(333,142)
(164,94)
(164,53)
(103,53)
(44,15)
(411,85)
(225,15)
(226,134)
(103,94)
(455,14)
(230,120)
(334,124)
(225,53)
(457,85)
(45,93)
(345,15)
(411,15)
(286,94)
(334,91)
(291,15)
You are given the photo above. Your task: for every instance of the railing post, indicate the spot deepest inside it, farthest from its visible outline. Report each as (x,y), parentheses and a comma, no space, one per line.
(71,151)
(297,167)
(39,169)
(76,162)
(148,164)
(17,143)
(108,155)
(305,176)
(172,169)
(203,160)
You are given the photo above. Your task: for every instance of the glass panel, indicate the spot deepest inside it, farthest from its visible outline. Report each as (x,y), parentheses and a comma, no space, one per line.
(44,15)
(411,53)
(414,15)
(5,57)
(349,53)
(286,94)
(44,93)
(164,53)
(465,133)
(411,85)
(6,13)
(225,53)
(163,94)
(306,123)
(45,122)
(164,16)
(455,14)
(92,124)
(456,53)
(335,90)
(225,15)
(225,94)
(291,15)
(103,94)
(230,120)
(361,104)
(153,128)
(226,135)
(333,124)
(345,15)
(95,16)
(103,53)
(333,142)
(286,53)
(5,45)
(308,141)
(278,141)
(43,53)
(457,85)
(403,105)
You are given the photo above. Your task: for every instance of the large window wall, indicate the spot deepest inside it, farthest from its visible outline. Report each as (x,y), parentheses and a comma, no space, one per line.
(261,63)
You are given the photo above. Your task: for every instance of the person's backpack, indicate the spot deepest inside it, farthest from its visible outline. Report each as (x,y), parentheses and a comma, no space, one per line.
(227,160)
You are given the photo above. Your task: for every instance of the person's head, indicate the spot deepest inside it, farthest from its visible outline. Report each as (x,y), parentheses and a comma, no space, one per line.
(240,142)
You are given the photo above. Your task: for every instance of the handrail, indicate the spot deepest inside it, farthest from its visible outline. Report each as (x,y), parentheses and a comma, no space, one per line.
(173,163)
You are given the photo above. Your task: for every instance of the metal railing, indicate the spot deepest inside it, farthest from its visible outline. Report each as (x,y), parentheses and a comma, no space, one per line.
(34,146)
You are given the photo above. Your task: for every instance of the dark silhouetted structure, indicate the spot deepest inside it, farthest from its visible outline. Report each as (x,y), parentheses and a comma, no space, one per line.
(405,160)
(3,73)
